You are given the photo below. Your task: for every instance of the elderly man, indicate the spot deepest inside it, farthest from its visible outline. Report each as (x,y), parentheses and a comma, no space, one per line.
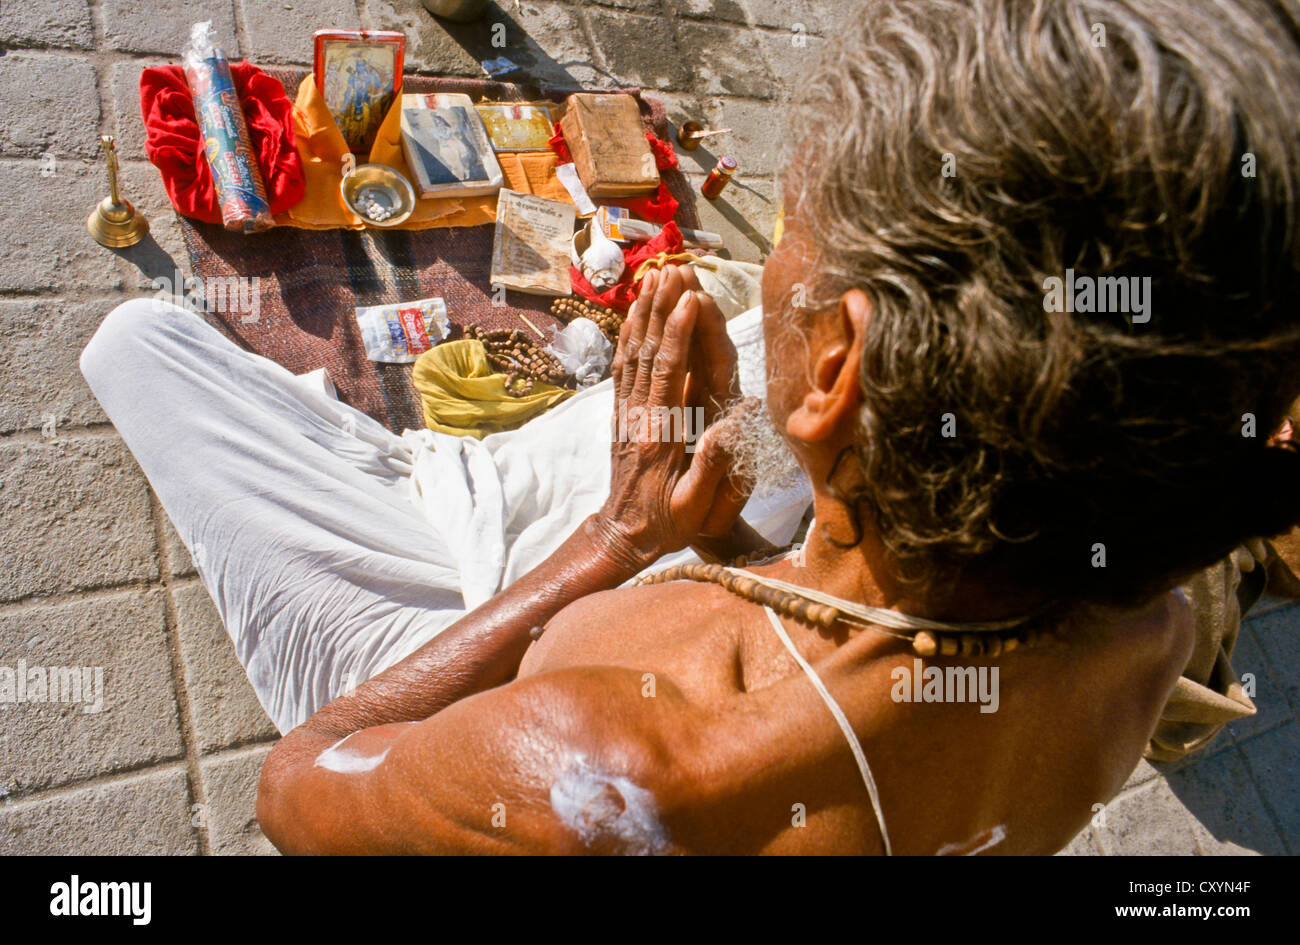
(1013,464)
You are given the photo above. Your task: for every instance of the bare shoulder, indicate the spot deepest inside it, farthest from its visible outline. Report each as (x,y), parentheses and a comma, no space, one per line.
(685,628)
(1154,639)
(646,604)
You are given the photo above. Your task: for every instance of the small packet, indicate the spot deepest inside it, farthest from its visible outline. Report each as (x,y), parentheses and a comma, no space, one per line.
(611,220)
(398,334)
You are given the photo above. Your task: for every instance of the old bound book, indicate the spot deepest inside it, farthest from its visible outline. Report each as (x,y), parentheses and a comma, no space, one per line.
(605,135)
(447,148)
(531,251)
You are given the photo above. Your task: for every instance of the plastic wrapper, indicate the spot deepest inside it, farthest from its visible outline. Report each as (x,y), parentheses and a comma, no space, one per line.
(583,350)
(241,192)
(398,334)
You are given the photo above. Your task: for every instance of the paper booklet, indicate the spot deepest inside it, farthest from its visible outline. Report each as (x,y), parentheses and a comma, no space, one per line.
(531,248)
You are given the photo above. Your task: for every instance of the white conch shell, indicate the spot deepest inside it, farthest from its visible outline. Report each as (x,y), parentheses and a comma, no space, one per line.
(602,262)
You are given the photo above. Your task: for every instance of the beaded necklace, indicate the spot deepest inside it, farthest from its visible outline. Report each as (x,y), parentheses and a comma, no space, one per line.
(816,608)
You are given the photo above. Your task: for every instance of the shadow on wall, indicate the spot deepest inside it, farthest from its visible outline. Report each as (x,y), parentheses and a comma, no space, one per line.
(485,39)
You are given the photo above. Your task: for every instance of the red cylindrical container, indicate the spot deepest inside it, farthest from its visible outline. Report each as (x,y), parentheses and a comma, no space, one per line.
(241,193)
(719,177)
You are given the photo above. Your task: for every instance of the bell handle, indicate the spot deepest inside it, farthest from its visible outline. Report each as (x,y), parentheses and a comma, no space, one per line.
(110,149)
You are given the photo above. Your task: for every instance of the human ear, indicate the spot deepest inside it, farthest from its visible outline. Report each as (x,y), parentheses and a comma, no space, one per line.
(835,393)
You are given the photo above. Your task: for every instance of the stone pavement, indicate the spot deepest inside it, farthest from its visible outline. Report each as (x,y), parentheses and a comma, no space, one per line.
(91,572)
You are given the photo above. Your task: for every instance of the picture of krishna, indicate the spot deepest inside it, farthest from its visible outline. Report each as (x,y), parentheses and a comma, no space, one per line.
(358,84)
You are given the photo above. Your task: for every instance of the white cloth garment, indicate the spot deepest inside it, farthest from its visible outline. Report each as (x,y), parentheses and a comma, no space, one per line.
(331,547)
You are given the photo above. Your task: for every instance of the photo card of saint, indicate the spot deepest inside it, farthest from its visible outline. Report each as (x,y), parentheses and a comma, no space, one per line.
(447,148)
(359,75)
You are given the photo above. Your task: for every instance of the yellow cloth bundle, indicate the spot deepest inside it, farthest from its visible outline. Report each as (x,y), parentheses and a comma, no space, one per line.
(461,394)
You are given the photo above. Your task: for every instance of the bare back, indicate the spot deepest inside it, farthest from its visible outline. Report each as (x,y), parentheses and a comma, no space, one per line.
(1070,721)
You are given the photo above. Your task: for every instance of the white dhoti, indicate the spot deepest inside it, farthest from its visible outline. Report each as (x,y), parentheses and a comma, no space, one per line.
(332,547)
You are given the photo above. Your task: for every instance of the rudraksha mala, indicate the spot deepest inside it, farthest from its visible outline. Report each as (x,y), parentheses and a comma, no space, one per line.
(521,359)
(925,643)
(609,321)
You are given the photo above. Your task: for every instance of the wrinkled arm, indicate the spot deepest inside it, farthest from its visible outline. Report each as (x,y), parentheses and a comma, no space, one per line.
(547,764)
(483,648)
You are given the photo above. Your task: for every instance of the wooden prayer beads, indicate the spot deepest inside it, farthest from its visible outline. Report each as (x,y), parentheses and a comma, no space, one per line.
(610,321)
(521,359)
(925,643)
(783,602)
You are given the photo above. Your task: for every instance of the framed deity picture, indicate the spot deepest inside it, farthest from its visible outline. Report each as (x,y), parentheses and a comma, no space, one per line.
(359,75)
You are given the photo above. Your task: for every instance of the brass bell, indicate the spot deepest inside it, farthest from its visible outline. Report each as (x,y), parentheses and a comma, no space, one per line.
(114,222)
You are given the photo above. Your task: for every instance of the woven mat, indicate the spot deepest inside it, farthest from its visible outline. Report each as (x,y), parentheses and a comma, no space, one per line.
(311,281)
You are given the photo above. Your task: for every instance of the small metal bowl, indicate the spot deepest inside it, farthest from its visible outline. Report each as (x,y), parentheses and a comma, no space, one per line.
(688,135)
(384,186)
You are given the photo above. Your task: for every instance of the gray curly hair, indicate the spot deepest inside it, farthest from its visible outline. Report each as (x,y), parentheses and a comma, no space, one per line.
(955,155)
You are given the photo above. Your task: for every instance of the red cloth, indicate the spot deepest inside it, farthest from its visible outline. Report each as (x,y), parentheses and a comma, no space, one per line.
(661,206)
(623,293)
(560,147)
(175,146)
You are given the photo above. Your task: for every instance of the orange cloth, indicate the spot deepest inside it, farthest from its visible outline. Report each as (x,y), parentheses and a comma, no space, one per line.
(322,149)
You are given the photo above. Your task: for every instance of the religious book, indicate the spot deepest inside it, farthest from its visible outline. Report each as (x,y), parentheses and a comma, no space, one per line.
(531,248)
(607,140)
(517,127)
(447,148)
